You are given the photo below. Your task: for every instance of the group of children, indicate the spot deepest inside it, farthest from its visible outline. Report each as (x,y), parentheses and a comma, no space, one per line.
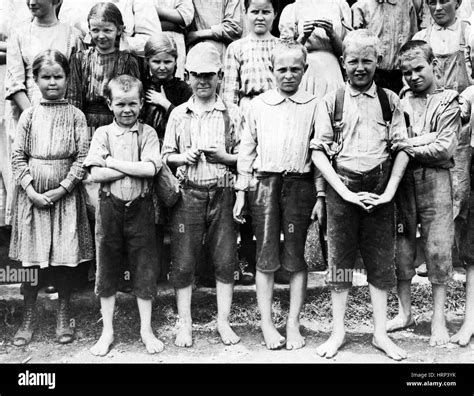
(371,166)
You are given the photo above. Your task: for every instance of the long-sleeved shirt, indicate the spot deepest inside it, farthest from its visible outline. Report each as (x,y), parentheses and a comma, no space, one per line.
(367,140)
(122,144)
(277,135)
(448,41)
(223,17)
(187,129)
(428,116)
(394,23)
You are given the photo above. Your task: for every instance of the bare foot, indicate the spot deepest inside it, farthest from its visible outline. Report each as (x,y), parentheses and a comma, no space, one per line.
(273,339)
(102,346)
(463,336)
(228,336)
(399,322)
(385,344)
(152,344)
(439,334)
(294,339)
(330,348)
(184,337)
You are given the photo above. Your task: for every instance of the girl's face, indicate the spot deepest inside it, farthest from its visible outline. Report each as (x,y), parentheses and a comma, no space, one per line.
(104,34)
(260,16)
(41,8)
(51,81)
(162,66)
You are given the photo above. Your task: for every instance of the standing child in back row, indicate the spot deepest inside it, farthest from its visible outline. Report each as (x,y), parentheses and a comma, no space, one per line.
(124,157)
(452,42)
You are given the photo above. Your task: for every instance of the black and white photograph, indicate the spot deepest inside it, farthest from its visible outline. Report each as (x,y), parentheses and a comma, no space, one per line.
(236,191)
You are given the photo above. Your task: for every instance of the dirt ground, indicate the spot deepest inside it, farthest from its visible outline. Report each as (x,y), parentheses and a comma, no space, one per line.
(207,347)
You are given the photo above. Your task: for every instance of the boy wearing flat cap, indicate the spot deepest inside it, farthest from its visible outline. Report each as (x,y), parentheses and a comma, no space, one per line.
(201,141)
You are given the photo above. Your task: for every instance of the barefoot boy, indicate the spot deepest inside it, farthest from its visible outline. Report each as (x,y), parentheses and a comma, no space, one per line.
(123,157)
(201,139)
(425,195)
(363,129)
(275,152)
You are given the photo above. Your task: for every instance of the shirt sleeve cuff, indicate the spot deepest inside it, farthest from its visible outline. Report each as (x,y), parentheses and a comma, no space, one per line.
(242,183)
(217,32)
(67,184)
(25,181)
(94,160)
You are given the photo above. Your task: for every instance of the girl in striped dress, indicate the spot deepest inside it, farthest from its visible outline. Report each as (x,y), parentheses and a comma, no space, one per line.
(247,73)
(49,223)
(92,69)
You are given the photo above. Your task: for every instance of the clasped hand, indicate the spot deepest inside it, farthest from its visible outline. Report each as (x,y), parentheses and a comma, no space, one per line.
(366,200)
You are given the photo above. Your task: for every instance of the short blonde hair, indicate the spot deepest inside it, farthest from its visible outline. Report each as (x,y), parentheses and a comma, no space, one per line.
(283,46)
(361,38)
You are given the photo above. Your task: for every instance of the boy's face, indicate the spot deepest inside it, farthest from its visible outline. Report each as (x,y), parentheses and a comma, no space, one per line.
(289,69)
(360,63)
(162,66)
(443,11)
(51,81)
(126,106)
(204,85)
(418,72)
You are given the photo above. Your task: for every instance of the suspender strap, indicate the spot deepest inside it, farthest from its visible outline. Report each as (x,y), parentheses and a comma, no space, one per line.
(339,105)
(385,104)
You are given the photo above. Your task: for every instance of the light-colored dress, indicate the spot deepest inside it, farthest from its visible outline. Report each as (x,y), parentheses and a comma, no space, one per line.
(186,10)
(24,43)
(247,70)
(50,147)
(324,72)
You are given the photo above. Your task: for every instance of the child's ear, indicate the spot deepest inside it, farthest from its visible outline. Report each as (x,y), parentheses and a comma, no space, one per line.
(109,103)
(306,67)
(186,76)
(379,60)
(220,74)
(341,58)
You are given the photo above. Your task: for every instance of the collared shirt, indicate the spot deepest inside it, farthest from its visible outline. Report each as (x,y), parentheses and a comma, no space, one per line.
(277,135)
(188,129)
(367,140)
(393,22)
(122,144)
(428,116)
(223,17)
(447,40)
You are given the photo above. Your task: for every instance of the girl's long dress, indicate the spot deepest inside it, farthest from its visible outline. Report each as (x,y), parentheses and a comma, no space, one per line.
(50,147)
(324,72)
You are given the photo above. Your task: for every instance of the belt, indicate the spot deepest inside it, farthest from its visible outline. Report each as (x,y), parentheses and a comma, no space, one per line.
(285,174)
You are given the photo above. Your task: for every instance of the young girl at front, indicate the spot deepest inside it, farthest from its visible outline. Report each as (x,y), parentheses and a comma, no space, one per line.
(50,232)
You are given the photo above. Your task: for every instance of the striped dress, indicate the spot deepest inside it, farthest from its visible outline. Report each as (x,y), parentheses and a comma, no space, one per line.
(50,147)
(247,70)
(91,71)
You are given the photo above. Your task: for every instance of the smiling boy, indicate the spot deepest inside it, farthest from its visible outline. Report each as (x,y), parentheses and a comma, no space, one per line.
(274,168)
(362,129)
(425,194)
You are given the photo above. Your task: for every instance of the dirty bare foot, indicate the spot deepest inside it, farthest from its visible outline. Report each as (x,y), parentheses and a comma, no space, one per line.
(102,346)
(399,322)
(294,339)
(228,336)
(330,348)
(439,333)
(152,344)
(184,337)
(463,336)
(385,344)
(273,339)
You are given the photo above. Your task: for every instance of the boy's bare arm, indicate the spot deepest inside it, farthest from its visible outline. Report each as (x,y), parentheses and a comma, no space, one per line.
(105,175)
(145,169)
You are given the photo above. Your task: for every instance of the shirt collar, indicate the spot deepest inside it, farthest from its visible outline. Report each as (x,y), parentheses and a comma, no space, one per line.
(119,131)
(453,27)
(372,91)
(218,105)
(273,97)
